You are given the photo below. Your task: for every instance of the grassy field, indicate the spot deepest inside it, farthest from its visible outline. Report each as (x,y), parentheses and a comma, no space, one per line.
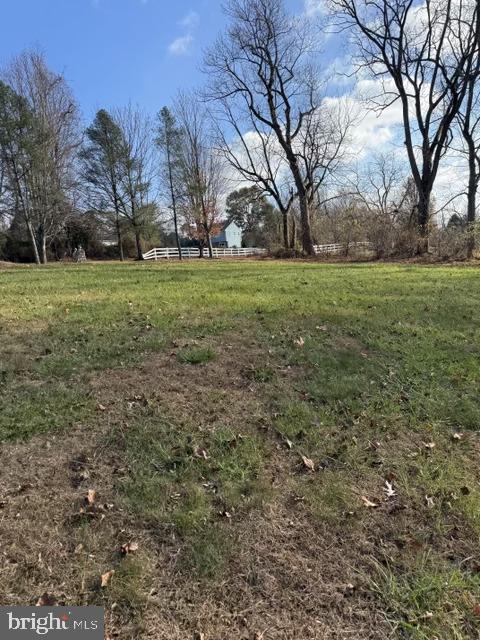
(251,450)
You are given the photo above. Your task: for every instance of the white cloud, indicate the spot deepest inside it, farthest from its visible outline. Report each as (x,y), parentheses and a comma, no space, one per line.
(314,8)
(190,21)
(181,46)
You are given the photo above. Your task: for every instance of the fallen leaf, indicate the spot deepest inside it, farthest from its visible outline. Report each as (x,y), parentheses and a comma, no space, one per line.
(299,342)
(429,445)
(198,635)
(200,453)
(106,577)
(289,443)
(101,407)
(308,463)
(129,547)
(457,436)
(430,502)
(476,610)
(91,496)
(46,600)
(426,616)
(323,327)
(389,490)
(368,503)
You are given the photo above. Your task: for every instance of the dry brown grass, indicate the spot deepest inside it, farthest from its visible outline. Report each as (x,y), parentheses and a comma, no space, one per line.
(286,576)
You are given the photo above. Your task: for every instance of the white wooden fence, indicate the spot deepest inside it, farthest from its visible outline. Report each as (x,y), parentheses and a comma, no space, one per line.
(194,252)
(335,249)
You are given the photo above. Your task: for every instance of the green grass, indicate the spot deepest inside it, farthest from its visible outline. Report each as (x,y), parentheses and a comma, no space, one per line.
(354,366)
(196,356)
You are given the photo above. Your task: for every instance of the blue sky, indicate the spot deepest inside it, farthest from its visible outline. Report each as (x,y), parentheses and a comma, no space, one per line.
(114,51)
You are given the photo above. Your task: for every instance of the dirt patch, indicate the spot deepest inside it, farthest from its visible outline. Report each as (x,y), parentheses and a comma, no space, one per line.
(286,577)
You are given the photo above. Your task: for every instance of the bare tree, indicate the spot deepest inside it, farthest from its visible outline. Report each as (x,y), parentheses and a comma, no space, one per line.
(263,74)
(169,141)
(17,144)
(255,157)
(423,55)
(136,170)
(45,196)
(469,123)
(201,171)
(101,169)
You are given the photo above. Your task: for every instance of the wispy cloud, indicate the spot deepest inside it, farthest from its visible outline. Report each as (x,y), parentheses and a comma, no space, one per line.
(314,8)
(181,46)
(190,21)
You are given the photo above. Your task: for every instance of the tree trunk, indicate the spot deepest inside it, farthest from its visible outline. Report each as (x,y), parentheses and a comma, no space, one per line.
(177,237)
(285,227)
(307,242)
(293,238)
(44,250)
(423,219)
(471,202)
(200,250)
(209,243)
(174,203)
(120,239)
(138,242)
(34,242)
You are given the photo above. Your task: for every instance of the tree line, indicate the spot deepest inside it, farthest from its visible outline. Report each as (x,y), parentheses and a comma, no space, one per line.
(264,142)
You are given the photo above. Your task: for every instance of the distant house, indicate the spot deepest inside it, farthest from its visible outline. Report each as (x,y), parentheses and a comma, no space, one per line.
(230,236)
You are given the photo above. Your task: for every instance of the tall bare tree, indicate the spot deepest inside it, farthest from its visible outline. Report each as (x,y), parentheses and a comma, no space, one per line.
(101,169)
(136,170)
(254,157)
(17,160)
(263,73)
(169,141)
(50,181)
(423,55)
(469,123)
(201,171)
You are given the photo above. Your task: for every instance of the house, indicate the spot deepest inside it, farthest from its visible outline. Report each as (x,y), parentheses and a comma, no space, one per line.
(230,236)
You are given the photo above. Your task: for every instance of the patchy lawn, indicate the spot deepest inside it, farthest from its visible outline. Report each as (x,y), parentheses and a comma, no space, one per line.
(251,450)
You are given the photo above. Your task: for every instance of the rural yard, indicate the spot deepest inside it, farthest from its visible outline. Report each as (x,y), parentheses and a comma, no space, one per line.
(246,450)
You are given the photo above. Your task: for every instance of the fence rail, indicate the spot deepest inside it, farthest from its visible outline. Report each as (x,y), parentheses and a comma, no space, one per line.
(335,249)
(165,253)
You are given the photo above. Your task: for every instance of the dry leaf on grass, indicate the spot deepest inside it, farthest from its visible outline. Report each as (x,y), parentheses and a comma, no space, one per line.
(200,453)
(430,502)
(101,407)
(46,600)
(91,496)
(106,577)
(457,436)
(129,547)
(308,463)
(368,503)
(429,445)
(300,342)
(389,490)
